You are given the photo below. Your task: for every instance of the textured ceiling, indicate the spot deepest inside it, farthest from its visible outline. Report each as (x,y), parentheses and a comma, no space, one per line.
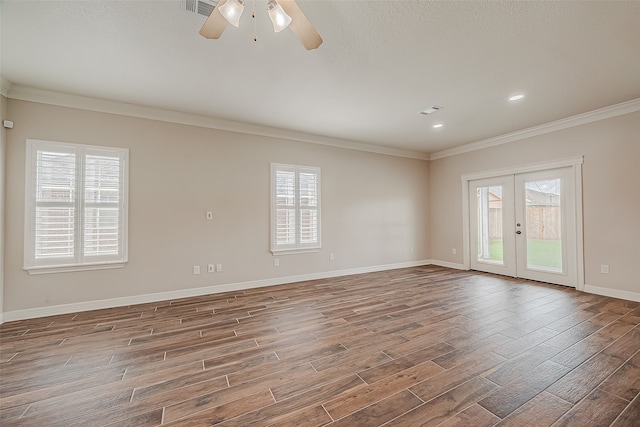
(380,64)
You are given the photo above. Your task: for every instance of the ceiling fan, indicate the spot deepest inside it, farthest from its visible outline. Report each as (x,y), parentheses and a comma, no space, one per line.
(283,13)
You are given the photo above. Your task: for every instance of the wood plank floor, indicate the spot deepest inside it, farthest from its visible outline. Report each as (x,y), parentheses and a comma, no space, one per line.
(421,346)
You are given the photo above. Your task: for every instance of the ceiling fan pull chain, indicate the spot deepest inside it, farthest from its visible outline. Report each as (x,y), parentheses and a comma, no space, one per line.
(253,15)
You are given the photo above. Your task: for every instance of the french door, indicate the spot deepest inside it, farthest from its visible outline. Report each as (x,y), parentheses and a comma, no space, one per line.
(524,225)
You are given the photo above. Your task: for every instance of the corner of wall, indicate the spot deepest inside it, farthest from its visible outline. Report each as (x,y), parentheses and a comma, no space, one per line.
(3,137)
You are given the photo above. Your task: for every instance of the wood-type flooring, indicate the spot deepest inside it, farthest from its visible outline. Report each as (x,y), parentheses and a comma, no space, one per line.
(420,346)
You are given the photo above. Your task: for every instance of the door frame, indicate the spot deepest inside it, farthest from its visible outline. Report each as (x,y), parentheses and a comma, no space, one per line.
(574,162)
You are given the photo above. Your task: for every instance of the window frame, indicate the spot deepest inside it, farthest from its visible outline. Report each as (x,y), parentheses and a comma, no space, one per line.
(297,247)
(79,261)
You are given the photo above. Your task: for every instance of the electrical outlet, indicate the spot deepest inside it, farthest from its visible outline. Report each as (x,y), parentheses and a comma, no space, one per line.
(211,268)
(332,256)
(218,268)
(411,249)
(604,269)
(276,262)
(196,269)
(454,251)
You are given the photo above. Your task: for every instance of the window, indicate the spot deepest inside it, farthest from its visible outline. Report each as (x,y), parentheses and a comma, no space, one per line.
(76,207)
(295,208)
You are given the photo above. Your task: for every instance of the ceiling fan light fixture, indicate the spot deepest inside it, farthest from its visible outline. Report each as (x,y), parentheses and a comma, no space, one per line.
(232,10)
(282,13)
(278,16)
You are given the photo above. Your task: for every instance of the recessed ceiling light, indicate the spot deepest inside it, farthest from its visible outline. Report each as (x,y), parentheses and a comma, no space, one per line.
(517,97)
(437,125)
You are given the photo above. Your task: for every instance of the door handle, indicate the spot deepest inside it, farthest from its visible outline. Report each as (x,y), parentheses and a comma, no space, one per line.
(518,232)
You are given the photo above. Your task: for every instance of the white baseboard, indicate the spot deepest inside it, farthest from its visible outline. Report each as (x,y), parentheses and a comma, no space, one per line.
(447,264)
(607,292)
(615,293)
(31,313)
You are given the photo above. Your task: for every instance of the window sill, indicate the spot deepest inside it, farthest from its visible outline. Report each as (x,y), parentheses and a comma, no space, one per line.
(71,268)
(294,251)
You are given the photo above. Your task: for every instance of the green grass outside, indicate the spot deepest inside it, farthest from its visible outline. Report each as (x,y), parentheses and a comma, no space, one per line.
(543,253)
(495,250)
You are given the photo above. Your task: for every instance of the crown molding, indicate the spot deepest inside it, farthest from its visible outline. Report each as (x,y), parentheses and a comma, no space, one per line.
(25,93)
(5,86)
(569,122)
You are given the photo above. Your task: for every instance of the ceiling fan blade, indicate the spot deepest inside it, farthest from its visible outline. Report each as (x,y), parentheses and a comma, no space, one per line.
(215,24)
(300,25)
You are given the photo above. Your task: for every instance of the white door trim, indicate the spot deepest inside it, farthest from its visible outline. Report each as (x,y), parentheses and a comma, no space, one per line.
(574,162)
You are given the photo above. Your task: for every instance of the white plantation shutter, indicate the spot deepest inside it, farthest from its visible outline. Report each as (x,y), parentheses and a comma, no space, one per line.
(308,192)
(285,207)
(101,206)
(295,208)
(55,204)
(76,205)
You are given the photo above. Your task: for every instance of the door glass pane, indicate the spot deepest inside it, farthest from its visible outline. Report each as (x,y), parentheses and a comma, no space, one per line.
(544,219)
(490,242)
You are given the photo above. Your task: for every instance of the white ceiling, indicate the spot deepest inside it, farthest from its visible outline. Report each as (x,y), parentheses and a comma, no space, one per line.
(380,64)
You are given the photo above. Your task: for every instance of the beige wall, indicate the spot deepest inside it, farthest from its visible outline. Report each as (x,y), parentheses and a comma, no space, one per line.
(374,207)
(611,193)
